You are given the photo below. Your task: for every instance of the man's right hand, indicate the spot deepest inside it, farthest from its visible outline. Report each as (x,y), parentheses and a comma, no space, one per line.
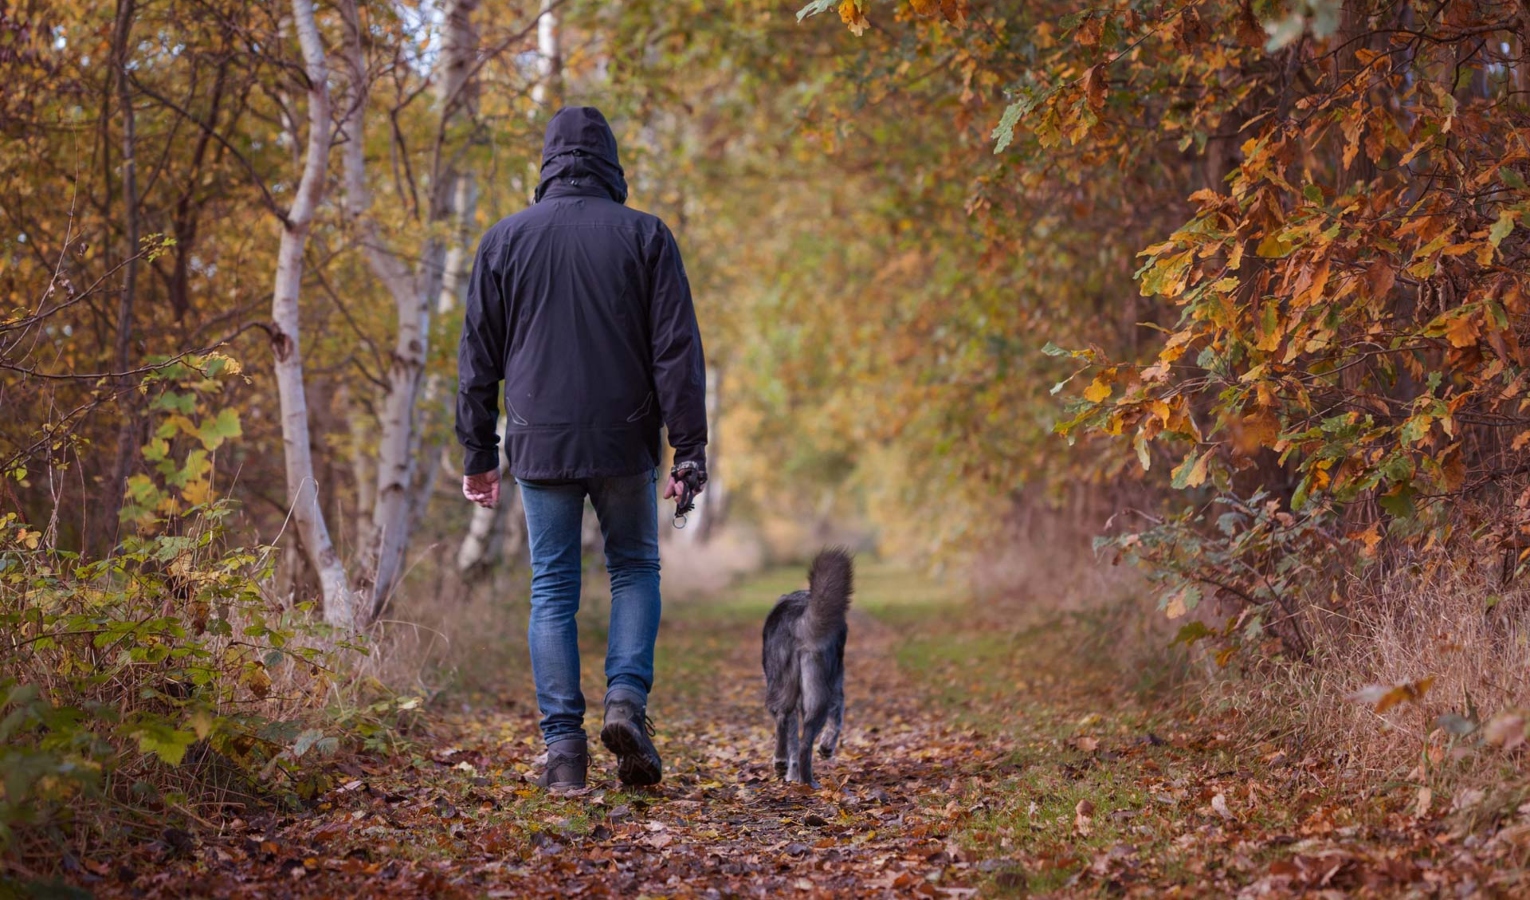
(675,487)
(482,489)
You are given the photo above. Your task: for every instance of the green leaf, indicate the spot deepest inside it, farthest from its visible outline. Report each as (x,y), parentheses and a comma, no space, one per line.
(1299,498)
(1501,228)
(143,490)
(1399,500)
(213,432)
(305,742)
(1004,132)
(1182,472)
(165,742)
(1416,428)
(1192,632)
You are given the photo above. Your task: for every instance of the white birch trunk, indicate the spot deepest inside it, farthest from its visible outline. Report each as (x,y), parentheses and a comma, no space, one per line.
(302,487)
(478,549)
(413,291)
(458,255)
(549,86)
(363,470)
(438,402)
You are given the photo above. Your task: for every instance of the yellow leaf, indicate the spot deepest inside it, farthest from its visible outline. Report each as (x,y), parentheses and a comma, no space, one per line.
(1385,697)
(1253,431)
(197,492)
(1197,476)
(1098,390)
(850,13)
(1369,537)
(1462,331)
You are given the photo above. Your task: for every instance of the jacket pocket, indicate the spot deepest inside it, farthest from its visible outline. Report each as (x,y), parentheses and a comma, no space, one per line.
(644,410)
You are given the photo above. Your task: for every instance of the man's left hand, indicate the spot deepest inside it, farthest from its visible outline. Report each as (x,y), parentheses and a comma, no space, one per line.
(482,489)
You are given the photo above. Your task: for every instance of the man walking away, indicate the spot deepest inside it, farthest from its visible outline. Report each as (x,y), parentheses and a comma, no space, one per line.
(582,308)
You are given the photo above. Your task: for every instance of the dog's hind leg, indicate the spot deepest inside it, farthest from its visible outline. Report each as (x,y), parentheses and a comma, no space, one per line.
(831,734)
(815,712)
(784,722)
(792,738)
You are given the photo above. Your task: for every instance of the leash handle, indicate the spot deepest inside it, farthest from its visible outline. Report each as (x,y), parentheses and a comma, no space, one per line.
(691,477)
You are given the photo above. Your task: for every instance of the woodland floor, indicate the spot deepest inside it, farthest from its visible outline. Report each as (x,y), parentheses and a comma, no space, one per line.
(987,753)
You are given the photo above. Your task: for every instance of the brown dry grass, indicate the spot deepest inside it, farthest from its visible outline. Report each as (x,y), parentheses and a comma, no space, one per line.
(1444,619)
(446,631)
(1043,572)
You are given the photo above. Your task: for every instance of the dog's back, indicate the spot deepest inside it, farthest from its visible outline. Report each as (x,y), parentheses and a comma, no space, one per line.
(803,656)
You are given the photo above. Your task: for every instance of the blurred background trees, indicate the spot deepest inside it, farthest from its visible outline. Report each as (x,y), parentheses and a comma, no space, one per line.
(1236,287)
(1259,262)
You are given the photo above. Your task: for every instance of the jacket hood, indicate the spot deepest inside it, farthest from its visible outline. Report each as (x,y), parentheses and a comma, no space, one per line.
(579,151)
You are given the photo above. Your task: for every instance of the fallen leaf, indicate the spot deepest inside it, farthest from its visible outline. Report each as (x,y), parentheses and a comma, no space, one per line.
(1083,823)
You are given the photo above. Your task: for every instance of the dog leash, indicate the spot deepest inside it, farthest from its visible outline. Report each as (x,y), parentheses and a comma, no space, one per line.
(691,478)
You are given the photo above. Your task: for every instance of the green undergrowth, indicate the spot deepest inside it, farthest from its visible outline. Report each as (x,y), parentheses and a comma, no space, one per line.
(161,689)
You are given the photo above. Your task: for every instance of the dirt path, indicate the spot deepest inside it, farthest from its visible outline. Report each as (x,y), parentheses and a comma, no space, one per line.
(460,820)
(979,758)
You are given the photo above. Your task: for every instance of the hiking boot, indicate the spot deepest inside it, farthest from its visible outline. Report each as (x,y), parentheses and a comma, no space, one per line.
(626,733)
(567,762)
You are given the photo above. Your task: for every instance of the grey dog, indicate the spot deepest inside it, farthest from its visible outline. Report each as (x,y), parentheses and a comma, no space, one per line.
(804,659)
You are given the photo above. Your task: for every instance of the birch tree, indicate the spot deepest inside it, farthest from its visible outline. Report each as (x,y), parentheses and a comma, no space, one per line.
(480,548)
(413,288)
(302,488)
(549,86)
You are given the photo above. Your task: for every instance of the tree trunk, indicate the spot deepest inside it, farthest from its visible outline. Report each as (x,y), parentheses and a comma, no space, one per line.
(1519,46)
(413,291)
(438,402)
(127,429)
(307,513)
(548,90)
(480,548)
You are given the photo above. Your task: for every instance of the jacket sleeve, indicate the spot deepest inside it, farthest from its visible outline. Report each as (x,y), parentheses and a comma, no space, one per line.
(679,367)
(481,366)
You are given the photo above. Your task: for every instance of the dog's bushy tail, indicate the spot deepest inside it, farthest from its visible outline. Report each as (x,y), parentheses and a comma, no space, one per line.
(831,580)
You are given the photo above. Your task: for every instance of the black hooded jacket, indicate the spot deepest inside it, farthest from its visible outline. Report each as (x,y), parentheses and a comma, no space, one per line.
(582,308)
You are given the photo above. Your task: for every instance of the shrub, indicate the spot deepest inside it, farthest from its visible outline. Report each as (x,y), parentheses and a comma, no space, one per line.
(163,683)
(155,682)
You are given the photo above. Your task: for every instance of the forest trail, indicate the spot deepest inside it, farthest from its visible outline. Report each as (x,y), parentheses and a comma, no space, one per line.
(981,758)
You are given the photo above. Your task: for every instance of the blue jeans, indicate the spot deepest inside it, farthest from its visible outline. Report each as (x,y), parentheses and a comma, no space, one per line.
(628,510)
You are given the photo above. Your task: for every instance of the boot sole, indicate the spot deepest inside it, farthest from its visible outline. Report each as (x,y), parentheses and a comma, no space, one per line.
(632,766)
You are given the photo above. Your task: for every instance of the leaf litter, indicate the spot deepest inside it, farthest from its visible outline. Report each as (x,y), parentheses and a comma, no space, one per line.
(960,774)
